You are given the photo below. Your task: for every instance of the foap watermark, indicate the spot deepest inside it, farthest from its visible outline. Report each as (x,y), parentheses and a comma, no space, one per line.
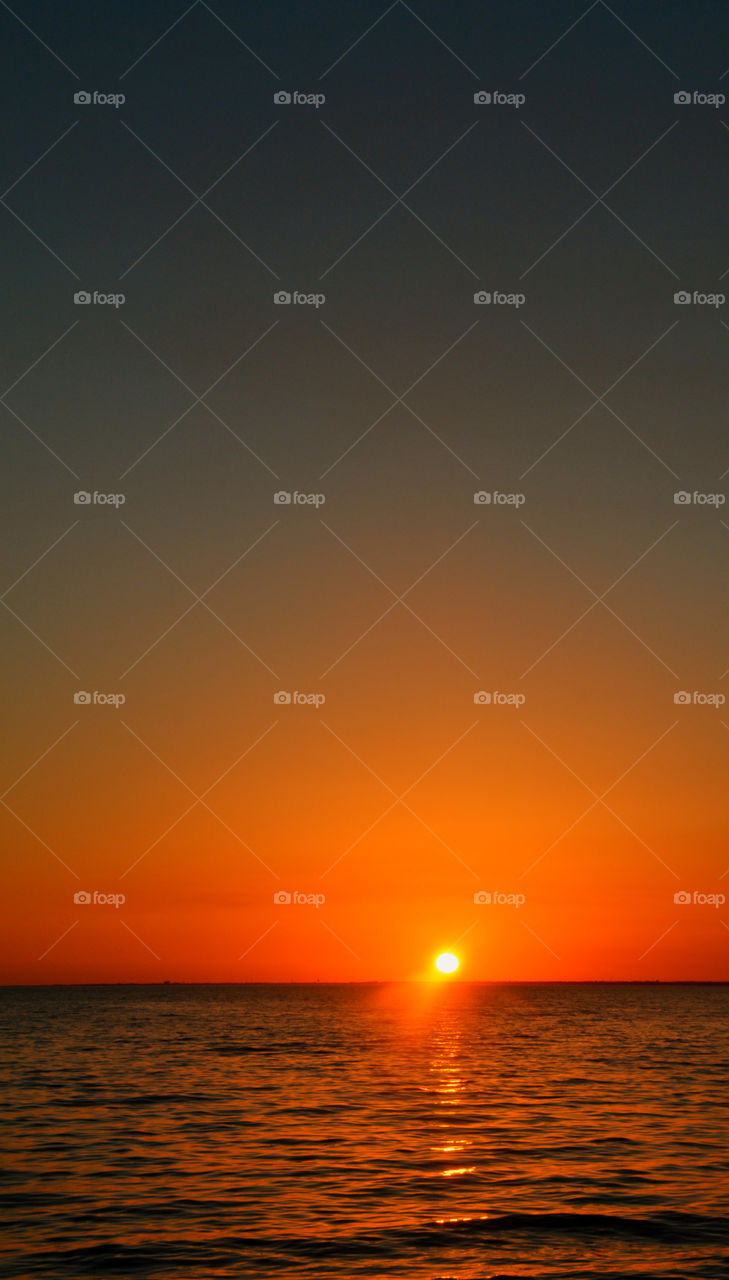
(83,898)
(83,498)
(296,98)
(285,699)
(83,298)
(685,499)
(695,98)
(84,98)
(284,498)
(494,497)
(684,898)
(496,298)
(483,898)
(685,298)
(84,699)
(685,699)
(485,699)
(283,298)
(298,899)
(496,98)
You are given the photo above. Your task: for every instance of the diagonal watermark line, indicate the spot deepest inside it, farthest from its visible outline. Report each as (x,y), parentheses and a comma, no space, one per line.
(724,274)
(400,799)
(618,19)
(599,799)
(559,39)
(660,939)
(35,236)
(534,934)
(411,811)
(190,607)
(598,200)
(40,840)
(35,635)
(600,399)
(35,36)
(417,18)
(37,361)
(206,792)
(42,156)
(180,418)
(600,599)
(400,599)
(442,356)
(235,35)
(141,940)
(37,761)
(199,399)
(159,239)
(398,400)
(437,37)
(200,599)
(354,43)
(465,934)
(398,199)
(159,39)
(635,36)
(199,799)
(59,939)
(38,559)
(159,640)
(260,938)
(39,439)
(324,925)
(198,200)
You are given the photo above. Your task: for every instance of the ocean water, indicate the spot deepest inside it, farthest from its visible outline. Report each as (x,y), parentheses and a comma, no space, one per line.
(422,1131)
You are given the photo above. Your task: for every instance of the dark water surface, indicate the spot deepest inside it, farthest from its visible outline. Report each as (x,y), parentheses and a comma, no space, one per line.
(444,1131)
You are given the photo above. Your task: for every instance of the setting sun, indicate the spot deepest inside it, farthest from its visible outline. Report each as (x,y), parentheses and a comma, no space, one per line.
(447,963)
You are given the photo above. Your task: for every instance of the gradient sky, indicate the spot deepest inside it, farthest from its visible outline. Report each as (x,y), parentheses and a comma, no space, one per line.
(399,598)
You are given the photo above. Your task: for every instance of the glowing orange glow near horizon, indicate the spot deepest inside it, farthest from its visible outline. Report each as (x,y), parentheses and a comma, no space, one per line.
(499,809)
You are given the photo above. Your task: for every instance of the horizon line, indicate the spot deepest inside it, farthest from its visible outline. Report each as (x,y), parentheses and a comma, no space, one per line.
(385,982)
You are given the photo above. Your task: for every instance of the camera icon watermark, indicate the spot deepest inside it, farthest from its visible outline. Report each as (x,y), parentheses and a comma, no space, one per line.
(498,899)
(295,499)
(494,497)
(283,98)
(683,898)
(298,899)
(497,298)
(495,98)
(285,298)
(484,698)
(685,499)
(83,98)
(685,298)
(83,898)
(82,698)
(285,699)
(694,97)
(82,298)
(685,699)
(83,498)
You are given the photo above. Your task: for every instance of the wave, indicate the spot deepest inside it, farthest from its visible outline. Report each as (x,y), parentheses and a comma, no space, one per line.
(533,1231)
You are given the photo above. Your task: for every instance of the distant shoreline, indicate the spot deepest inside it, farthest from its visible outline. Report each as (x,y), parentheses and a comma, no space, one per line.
(392,982)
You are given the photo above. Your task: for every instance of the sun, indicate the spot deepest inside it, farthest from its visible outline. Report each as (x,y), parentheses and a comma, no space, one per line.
(447,963)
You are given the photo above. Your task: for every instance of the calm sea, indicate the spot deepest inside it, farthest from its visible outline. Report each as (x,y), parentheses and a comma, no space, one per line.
(444,1131)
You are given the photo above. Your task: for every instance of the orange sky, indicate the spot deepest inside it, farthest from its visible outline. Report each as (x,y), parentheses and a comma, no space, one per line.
(497,803)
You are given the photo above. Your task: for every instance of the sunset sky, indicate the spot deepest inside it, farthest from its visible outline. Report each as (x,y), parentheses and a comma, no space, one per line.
(395,598)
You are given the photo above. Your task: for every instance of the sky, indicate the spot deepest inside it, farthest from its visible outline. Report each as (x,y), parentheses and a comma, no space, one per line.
(463,688)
